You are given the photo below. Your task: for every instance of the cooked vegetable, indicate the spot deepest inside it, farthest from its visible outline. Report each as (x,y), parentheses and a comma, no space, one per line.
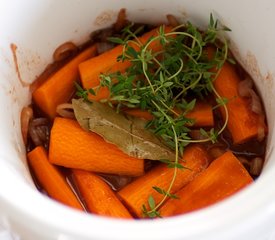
(243,123)
(59,87)
(224,177)
(156,182)
(64,50)
(133,138)
(121,20)
(160,82)
(91,69)
(256,166)
(65,110)
(73,147)
(136,112)
(39,131)
(153,96)
(98,196)
(172,20)
(51,179)
(25,118)
(168,81)
(202,114)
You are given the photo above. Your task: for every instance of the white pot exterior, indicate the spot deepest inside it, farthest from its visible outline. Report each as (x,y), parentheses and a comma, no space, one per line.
(37,28)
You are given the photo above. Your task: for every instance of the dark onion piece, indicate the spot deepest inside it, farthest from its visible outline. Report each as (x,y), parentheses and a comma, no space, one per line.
(64,51)
(39,131)
(121,21)
(244,162)
(25,118)
(94,35)
(116,182)
(42,133)
(245,90)
(261,129)
(39,122)
(261,133)
(34,136)
(172,20)
(65,110)
(101,35)
(256,166)
(244,87)
(104,47)
(256,105)
(216,152)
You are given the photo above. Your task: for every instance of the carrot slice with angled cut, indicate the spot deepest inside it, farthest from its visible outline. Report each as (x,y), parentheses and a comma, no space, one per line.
(98,196)
(106,62)
(59,87)
(73,147)
(202,114)
(224,177)
(135,194)
(51,179)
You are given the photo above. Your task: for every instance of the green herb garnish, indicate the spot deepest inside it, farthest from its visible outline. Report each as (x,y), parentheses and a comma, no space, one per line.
(169,79)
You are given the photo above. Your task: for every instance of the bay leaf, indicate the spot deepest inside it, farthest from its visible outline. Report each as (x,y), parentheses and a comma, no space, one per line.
(127,133)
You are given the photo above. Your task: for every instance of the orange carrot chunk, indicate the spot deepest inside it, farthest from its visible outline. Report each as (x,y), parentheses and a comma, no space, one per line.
(51,179)
(106,62)
(135,194)
(60,86)
(135,112)
(243,124)
(98,196)
(202,114)
(224,177)
(73,147)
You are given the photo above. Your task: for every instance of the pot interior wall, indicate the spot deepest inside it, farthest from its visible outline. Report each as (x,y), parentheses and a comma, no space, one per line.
(38,27)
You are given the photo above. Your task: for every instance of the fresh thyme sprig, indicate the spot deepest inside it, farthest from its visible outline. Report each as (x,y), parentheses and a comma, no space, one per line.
(167,83)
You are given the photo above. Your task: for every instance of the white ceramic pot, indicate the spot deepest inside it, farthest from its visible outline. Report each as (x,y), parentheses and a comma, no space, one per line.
(37,28)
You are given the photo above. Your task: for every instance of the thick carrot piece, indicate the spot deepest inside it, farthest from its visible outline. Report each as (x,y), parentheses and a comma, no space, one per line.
(91,69)
(224,177)
(51,179)
(135,112)
(242,122)
(98,196)
(202,114)
(135,194)
(73,147)
(60,86)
